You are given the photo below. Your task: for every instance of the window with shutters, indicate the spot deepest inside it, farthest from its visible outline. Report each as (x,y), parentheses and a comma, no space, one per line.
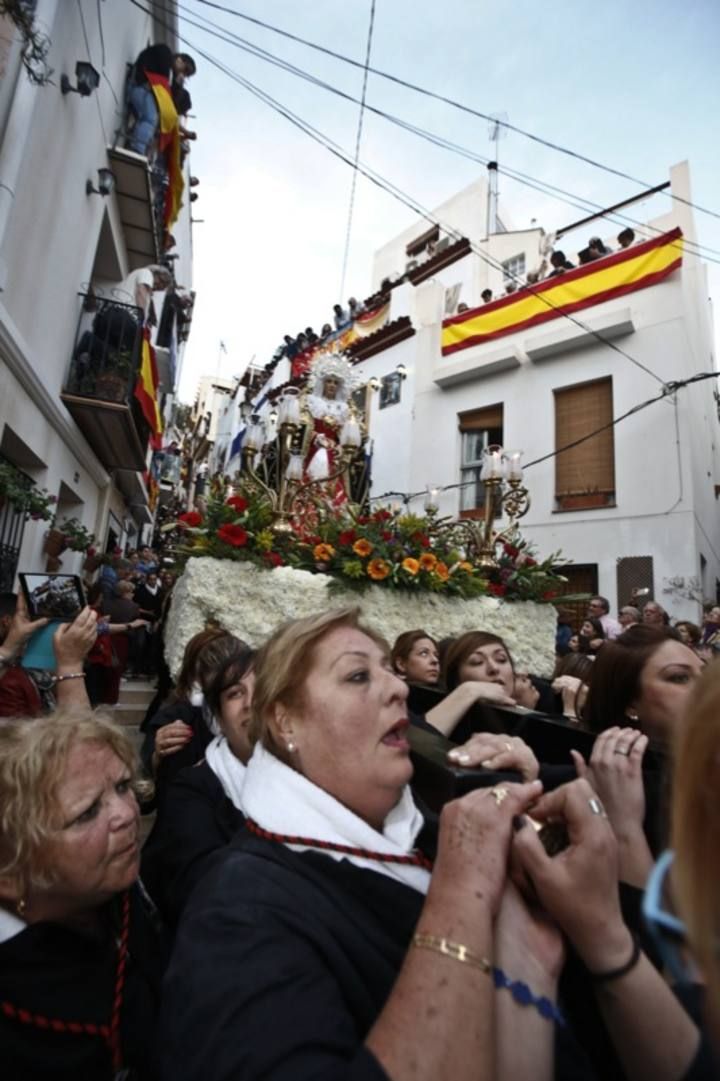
(479,428)
(584,474)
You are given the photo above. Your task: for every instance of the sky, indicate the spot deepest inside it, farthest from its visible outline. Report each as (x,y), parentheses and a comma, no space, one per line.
(634,86)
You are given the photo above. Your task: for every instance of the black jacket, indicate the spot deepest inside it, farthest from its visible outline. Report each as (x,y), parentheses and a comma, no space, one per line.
(282,964)
(64,975)
(195,820)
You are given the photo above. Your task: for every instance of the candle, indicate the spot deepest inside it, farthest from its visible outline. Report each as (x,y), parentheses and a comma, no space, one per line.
(292,408)
(255,436)
(294,469)
(350,434)
(513,465)
(431,500)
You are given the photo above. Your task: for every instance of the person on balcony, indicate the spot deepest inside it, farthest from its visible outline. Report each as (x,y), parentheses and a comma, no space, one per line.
(559,264)
(486,296)
(156,60)
(596,249)
(116,325)
(626,238)
(340,316)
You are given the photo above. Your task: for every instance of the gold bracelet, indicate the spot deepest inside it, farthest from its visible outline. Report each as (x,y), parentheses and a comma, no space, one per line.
(455,950)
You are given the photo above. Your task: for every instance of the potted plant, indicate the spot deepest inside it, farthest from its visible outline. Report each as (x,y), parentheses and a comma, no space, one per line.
(113,383)
(23,496)
(77,537)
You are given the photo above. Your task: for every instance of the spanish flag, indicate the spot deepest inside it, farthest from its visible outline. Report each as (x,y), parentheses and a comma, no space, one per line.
(624,272)
(169,145)
(146,389)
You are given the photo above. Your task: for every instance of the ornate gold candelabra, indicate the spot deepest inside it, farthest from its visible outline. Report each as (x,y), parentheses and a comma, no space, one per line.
(501,475)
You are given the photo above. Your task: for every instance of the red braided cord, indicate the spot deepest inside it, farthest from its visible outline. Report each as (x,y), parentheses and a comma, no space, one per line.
(110,1033)
(114,1036)
(416,859)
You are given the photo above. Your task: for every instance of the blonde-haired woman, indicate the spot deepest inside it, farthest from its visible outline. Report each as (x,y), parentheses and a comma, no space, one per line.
(327,942)
(696,832)
(80,963)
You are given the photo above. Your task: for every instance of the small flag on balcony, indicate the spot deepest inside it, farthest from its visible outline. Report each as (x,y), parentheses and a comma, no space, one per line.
(168,145)
(146,390)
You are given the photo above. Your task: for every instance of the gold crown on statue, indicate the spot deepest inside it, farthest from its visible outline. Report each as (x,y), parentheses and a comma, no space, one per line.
(331,364)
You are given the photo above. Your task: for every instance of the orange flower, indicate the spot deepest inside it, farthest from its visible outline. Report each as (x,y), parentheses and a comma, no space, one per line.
(411,565)
(362,547)
(465,566)
(428,561)
(378,569)
(442,571)
(323,552)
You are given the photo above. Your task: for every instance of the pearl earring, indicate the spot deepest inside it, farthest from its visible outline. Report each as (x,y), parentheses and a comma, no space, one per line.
(633,717)
(290,746)
(21,907)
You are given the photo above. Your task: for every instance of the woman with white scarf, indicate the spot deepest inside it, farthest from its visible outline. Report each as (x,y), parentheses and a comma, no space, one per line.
(329,940)
(201,810)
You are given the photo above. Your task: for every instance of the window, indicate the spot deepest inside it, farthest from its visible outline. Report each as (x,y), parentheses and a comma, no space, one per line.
(514,268)
(635,583)
(479,429)
(581,578)
(584,474)
(12,526)
(390,390)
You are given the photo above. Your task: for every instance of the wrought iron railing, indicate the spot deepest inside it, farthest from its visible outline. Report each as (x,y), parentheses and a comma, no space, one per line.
(106,359)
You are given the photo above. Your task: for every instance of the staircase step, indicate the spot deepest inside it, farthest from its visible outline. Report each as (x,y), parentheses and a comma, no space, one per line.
(128,715)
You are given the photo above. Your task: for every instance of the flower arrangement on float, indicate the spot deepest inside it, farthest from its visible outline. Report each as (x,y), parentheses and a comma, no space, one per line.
(388,548)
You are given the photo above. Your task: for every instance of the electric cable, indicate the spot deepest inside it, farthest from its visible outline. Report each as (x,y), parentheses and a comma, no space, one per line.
(450,101)
(401,196)
(358,139)
(544,187)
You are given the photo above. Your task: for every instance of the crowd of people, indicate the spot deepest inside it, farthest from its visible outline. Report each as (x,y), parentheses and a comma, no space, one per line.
(299,911)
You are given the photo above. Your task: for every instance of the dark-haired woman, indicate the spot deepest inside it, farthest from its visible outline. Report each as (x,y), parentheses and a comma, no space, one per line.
(202,809)
(180,731)
(592,636)
(415,657)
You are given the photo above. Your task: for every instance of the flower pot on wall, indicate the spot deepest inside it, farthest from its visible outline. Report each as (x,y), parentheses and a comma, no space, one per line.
(55,543)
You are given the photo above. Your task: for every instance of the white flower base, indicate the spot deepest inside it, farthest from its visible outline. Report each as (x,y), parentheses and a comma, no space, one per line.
(251,602)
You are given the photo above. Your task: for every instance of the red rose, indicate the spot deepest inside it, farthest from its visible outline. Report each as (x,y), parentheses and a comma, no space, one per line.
(530,562)
(233,534)
(549,594)
(273,559)
(386,536)
(237,503)
(422,539)
(90,553)
(497,589)
(192,518)
(512,551)
(382,515)
(346,537)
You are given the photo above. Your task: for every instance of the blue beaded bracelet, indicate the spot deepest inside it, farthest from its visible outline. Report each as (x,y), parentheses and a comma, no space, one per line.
(524,997)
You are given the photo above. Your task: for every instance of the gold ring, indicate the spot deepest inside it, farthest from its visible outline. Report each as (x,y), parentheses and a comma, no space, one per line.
(596,806)
(498,794)
(621,750)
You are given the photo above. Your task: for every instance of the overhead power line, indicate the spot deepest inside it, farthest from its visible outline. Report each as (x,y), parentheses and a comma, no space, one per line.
(402,197)
(358,139)
(669,390)
(579,202)
(549,144)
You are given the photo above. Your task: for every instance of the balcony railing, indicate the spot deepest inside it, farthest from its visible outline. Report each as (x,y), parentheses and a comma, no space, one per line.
(99,388)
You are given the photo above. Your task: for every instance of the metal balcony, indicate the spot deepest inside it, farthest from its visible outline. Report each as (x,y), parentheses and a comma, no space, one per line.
(99,388)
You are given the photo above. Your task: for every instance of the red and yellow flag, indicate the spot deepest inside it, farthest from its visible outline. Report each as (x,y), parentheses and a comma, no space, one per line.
(146,388)
(627,270)
(169,145)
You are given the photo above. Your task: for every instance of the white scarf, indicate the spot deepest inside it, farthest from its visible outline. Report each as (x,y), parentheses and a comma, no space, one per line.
(10,925)
(228,769)
(281,800)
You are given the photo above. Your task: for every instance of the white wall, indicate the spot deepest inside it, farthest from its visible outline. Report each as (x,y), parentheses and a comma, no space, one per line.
(665,483)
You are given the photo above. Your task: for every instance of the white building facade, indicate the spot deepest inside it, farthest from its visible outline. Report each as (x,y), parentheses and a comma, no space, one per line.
(634,508)
(64,251)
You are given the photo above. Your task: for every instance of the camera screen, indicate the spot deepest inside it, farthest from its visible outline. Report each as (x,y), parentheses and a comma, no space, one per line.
(52,596)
